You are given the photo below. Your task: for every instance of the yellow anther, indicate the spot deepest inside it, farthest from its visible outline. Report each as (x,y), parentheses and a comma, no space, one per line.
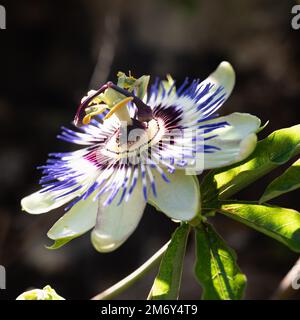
(118,106)
(88,117)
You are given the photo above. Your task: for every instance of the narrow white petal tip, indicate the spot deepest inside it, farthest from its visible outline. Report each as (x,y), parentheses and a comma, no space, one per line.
(224,76)
(247,146)
(225,65)
(104,243)
(41,202)
(34,204)
(227,70)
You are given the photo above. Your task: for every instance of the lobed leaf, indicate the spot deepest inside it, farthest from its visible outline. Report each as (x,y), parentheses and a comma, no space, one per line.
(279,223)
(167,282)
(216,268)
(288,181)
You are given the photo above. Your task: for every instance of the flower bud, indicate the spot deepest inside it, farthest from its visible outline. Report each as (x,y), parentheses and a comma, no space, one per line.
(47,293)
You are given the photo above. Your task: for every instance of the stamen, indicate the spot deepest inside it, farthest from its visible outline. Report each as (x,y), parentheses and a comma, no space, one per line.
(81,109)
(117,107)
(87,118)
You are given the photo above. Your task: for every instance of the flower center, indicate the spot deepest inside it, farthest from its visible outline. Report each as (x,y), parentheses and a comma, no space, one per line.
(134,141)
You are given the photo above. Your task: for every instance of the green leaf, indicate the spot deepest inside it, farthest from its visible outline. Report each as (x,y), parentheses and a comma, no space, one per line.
(270,153)
(288,181)
(279,223)
(216,268)
(167,282)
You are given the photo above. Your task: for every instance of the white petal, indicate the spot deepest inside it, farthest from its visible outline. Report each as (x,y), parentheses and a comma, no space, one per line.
(38,202)
(236,141)
(223,76)
(80,219)
(179,199)
(115,223)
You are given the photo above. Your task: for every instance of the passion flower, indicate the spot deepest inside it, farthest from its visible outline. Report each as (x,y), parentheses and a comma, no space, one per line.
(140,146)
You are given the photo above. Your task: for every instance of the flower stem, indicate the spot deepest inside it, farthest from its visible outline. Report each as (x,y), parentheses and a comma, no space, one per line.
(125,283)
(197,220)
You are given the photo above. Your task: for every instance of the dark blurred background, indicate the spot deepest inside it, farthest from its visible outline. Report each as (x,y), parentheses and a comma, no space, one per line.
(52,52)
